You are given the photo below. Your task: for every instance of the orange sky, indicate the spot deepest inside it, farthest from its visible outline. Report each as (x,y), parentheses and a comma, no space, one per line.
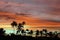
(36,13)
(29,20)
(33,23)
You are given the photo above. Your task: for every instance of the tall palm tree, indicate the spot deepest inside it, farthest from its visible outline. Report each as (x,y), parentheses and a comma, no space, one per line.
(14,24)
(19,28)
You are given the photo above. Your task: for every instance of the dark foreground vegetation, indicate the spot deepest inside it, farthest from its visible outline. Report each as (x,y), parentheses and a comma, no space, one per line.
(28,34)
(19,37)
(12,36)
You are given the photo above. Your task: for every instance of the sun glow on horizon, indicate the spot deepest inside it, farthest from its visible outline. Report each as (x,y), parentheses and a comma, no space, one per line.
(10,27)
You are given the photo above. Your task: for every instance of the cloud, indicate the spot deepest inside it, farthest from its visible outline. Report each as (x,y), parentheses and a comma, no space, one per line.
(23,14)
(7,17)
(56,21)
(50,17)
(45,10)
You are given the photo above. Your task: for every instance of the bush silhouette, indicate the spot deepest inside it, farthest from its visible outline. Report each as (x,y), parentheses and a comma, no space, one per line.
(2,31)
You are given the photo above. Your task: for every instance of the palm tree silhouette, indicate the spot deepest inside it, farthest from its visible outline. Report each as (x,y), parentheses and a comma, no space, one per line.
(50,34)
(19,28)
(31,32)
(22,31)
(45,30)
(23,23)
(55,33)
(37,33)
(14,24)
(41,33)
(27,31)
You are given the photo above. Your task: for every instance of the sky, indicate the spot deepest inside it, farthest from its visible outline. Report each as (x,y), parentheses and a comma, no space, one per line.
(35,13)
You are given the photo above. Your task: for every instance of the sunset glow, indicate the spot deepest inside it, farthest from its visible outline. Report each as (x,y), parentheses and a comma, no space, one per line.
(37,14)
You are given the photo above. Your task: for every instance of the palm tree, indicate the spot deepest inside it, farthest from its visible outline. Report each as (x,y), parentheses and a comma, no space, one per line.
(50,34)
(45,30)
(23,23)
(37,33)
(27,31)
(14,24)
(55,33)
(31,32)
(19,28)
(2,31)
(41,33)
(22,31)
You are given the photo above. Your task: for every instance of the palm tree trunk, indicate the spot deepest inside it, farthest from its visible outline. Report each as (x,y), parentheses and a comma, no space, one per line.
(13,30)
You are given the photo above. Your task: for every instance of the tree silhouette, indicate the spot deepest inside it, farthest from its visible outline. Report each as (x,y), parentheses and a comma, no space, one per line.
(45,30)
(37,33)
(31,32)
(27,31)
(23,23)
(50,34)
(14,24)
(22,31)
(41,33)
(20,26)
(2,31)
(55,34)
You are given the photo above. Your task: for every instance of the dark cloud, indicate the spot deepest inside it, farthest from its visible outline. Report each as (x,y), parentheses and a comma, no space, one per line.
(23,14)
(7,17)
(56,21)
